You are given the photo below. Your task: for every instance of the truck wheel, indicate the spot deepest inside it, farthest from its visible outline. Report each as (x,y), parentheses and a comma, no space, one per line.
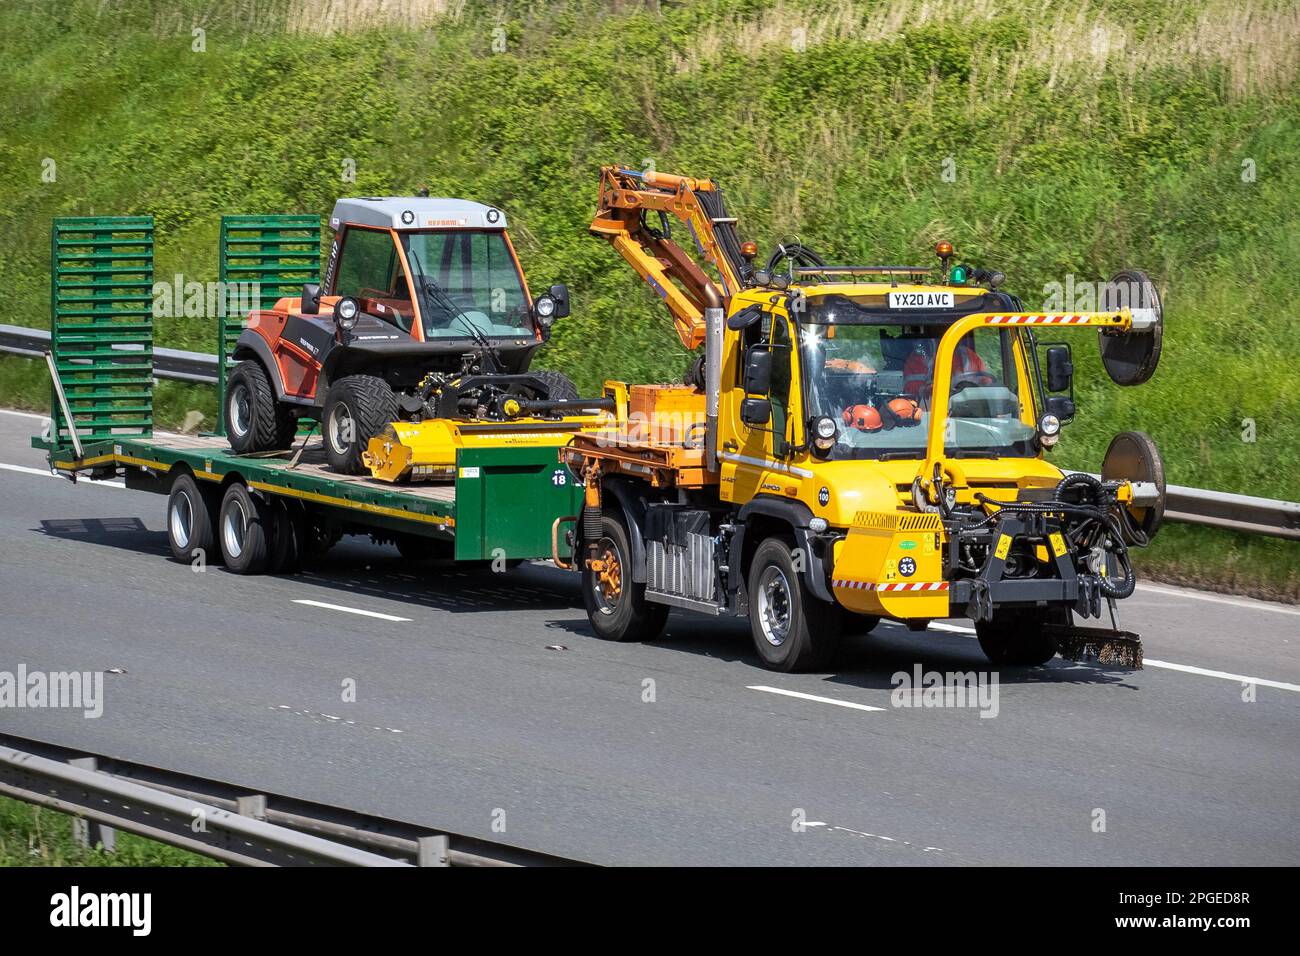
(793,630)
(244,530)
(1016,638)
(191,521)
(359,407)
(559,387)
(255,421)
(616,605)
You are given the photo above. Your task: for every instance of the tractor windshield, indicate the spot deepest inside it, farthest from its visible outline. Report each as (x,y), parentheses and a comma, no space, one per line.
(469,284)
(876,382)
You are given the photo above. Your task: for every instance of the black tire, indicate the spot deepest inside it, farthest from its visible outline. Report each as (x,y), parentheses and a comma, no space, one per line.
(618,609)
(255,421)
(1015,637)
(559,387)
(369,404)
(244,530)
(286,539)
(793,629)
(192,521)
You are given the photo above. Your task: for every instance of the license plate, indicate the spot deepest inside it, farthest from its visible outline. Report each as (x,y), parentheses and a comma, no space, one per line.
(920,300)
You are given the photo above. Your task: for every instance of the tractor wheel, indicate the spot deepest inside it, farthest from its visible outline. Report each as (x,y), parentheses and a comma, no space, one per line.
(793,630)
(1016,638)
(255,421)
(192,520)
(359,407)
(558,385)
(245,530)
(616,605)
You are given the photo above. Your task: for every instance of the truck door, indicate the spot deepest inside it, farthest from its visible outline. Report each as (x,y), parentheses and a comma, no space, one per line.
(756,463)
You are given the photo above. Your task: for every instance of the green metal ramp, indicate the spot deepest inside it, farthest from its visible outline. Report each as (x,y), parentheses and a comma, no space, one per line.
(279,253)
(101,325)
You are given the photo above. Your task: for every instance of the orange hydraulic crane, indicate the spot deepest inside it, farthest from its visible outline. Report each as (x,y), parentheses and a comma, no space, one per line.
(626,195)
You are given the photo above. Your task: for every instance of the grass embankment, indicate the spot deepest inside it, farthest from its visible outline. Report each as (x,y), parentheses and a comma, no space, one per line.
(33,836)
(1043,141)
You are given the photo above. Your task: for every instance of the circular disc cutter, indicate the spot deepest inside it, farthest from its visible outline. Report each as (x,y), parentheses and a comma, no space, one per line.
(1130,358)
(1133,457)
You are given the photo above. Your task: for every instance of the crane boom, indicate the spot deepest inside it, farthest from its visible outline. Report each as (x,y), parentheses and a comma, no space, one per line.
(626,195)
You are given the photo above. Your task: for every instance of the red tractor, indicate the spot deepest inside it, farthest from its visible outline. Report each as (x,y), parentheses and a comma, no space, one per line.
(419,294)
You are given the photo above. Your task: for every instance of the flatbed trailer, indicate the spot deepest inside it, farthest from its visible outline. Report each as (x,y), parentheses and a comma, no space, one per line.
(499,503)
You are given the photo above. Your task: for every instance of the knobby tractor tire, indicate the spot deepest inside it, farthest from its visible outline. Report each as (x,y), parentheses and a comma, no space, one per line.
(255,421)
(1015,637)
(793,629)
(616,605)
(558,385)
(359,407)
(245,530)
(192,520)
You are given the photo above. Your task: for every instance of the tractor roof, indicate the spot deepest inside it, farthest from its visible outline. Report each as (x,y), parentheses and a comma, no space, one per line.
(416,212)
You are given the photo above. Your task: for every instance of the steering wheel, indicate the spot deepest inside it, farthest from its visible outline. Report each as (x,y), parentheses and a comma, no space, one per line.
(965,380)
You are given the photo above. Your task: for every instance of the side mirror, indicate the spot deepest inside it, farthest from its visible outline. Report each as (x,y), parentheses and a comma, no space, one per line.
(1060,369)
(310,298)
(758,371)
(756,411)
(1061,406)
(560,293)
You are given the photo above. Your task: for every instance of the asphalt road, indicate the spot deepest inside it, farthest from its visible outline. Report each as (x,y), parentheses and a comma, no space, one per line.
(464,717)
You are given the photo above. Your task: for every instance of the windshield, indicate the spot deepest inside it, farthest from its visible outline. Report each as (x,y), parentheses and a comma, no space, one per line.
(468,284)
(876,382)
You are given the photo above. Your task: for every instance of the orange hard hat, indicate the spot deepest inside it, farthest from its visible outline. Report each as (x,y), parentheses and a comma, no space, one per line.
(863,417)
(906,409)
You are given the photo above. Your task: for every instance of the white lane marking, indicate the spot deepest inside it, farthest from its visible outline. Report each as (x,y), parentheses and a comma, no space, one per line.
(812,697)
(1220,599)
(954,628)
(45,473)
(353,610)
(1240,678)
(318,717)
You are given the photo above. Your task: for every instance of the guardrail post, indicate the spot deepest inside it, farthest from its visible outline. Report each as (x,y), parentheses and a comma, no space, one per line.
(253,805)
(433,851)
(85,832)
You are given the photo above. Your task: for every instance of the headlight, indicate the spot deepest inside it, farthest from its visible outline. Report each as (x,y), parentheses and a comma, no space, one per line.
(346,311)
(544,309)
(1049,430)
(824,432)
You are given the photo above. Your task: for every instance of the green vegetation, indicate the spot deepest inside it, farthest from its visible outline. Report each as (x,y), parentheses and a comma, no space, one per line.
(1111,134)
(32,836)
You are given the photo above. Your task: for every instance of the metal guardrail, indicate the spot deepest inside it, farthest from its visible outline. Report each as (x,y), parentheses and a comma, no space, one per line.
(1216,509)
(226,822)
(174,364)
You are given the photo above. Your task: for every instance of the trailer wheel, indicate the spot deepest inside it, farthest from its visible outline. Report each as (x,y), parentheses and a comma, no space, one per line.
(191,521)
(616,605)
(285,555)
(255,421)
(359,407)
(244,530)
(792,629)
(1016,638)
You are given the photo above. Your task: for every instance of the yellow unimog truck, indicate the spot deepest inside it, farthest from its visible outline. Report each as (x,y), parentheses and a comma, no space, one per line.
(855,443)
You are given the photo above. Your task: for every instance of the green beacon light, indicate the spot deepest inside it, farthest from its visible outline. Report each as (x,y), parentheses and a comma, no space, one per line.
(959,275)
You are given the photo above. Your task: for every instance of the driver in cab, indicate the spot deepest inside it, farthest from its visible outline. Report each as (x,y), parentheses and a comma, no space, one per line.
(967,368)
